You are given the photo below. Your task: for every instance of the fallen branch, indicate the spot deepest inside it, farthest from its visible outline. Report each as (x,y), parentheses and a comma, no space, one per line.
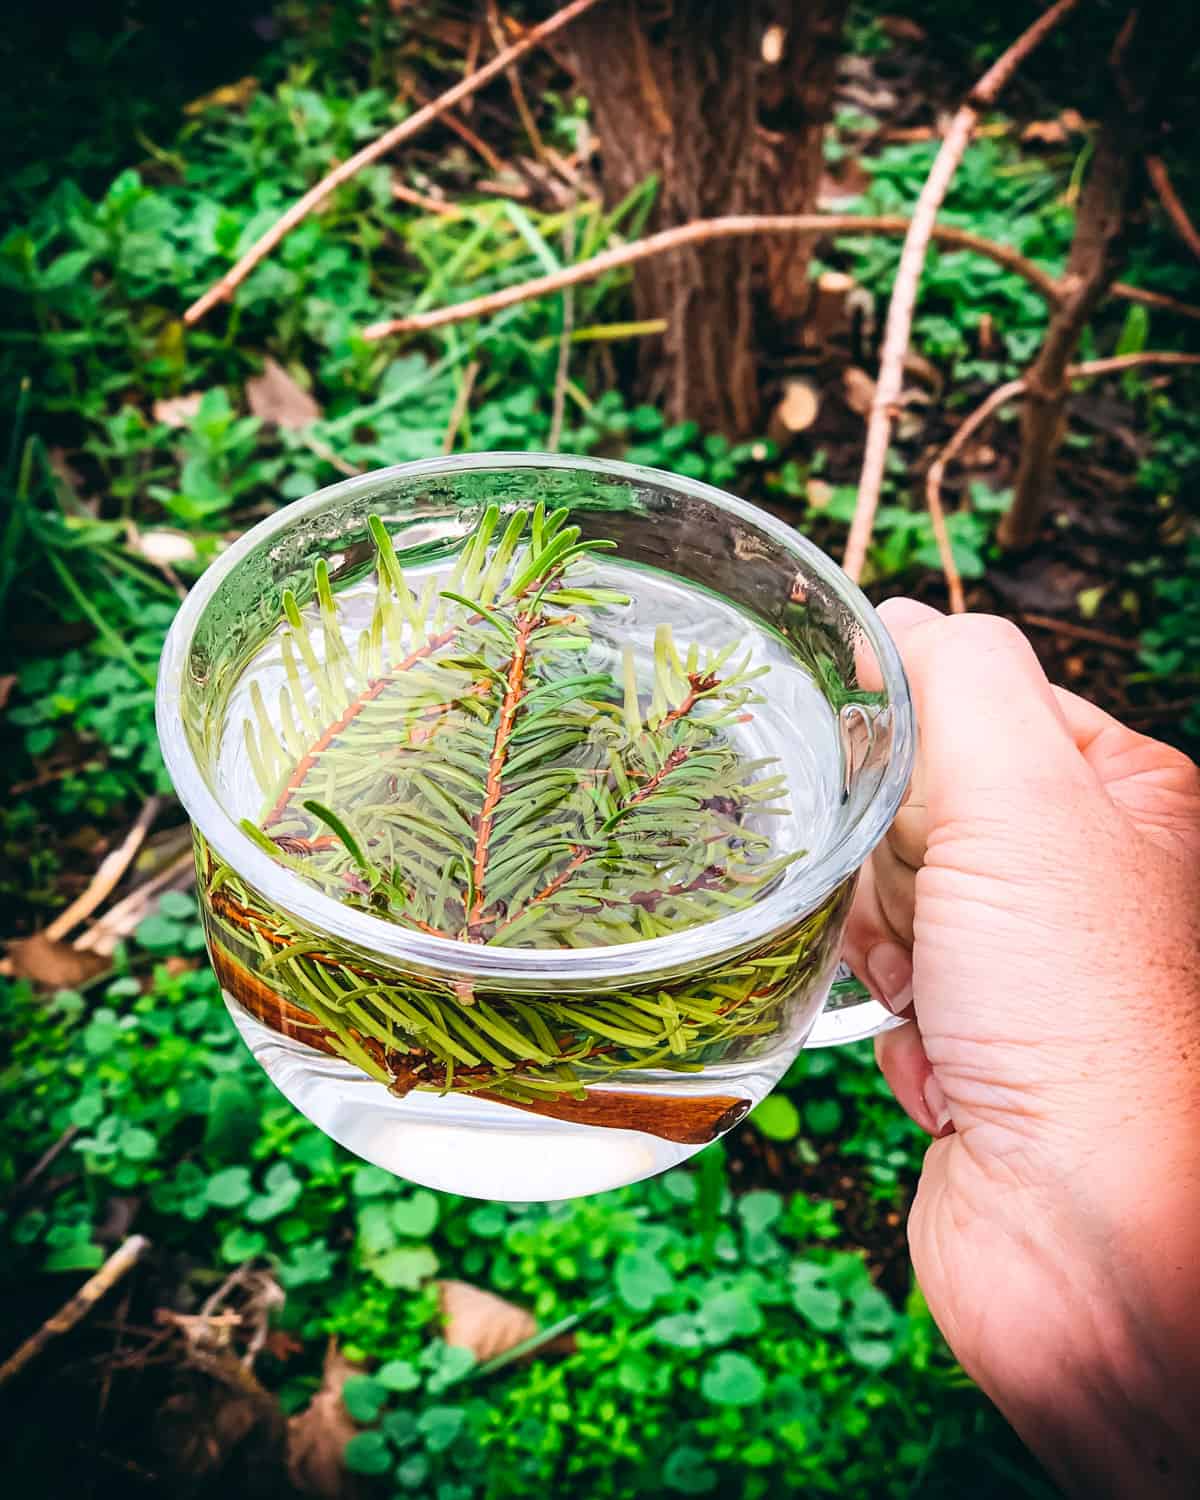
(970,424)
(107,876)
(933,484)
(415,123)
(700,231)
(47,1159)
(1092,367)
(1079,632)
(1129,293)
(121,920)
(908,276)
(491,159)
(562,369)
(462,401)
(441,208)
(514,83)
(1156,170)
(118,1264)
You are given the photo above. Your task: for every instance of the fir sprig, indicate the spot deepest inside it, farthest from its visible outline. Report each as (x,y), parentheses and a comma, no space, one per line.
(476,764)
(506,794)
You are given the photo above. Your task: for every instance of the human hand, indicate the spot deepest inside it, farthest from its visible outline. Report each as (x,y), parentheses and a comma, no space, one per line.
(1035,911)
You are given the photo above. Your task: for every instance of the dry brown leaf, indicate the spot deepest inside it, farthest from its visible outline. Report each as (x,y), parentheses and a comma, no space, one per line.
(1044,133)
(858,389)
(481,1321)
(901,29)
(7,683)
(275,397)
(228,96)
(925,371)
(796,412)
(66,473)
(177,411)
(773,42)
(318,1435)
(51,965)
(164,548)
(818,493)
(1054,132)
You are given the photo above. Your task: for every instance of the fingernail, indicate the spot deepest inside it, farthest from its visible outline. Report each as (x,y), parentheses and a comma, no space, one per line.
(935,1103)
(890,968)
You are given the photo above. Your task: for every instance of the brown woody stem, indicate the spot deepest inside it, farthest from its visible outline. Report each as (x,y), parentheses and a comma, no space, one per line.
(513,692)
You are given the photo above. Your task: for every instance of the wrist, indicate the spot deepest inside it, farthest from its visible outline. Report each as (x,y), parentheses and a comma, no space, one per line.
(1102,1380)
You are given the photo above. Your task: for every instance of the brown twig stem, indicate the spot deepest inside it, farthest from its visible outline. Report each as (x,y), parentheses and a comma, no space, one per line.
(118,1264)
(672,763)
(462,401)
(1156,170)
(1113,362)
(1129,293)
(908,276)
(47,1159)
(700,231)
(552,887)
(108,874)
(933,485)
(340,724)
(514,690)
(490,158)
(971,423)
(562,369)
(415,123)
(442,208)
(1079,632)
(514,83)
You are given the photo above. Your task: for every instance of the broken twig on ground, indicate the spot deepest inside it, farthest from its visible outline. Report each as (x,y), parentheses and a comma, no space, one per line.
(108,875)
(118,1264)
(699,231)
(415,123)
(908,276)
(1001,396)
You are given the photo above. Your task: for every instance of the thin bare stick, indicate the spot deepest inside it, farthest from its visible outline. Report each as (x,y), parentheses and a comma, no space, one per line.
(118,1264)
(885,402)
(933,484)
(971,423)
(1079,632)
(491,159)
(1156,170)
(317,194)
(47,1159)
(1092,367)
(120,920)
(514,83)
(563,368)
(436,206)
(461,402)
(700,231)
(107,876)
(1147,298)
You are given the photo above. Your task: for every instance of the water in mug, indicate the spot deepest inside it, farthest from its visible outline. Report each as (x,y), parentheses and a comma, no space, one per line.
(584,754)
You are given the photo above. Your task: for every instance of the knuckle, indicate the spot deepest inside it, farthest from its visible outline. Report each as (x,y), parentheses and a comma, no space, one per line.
(975,636)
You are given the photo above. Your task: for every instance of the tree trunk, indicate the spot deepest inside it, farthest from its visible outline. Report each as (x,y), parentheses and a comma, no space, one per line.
(681,91)
(1144,65)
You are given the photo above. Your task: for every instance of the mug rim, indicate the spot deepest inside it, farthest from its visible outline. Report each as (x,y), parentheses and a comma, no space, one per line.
(390,943)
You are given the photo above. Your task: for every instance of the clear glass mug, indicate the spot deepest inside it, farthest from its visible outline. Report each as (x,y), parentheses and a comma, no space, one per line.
(779,955)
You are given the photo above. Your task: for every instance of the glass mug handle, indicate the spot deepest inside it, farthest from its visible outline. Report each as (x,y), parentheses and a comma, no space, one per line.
(849,1014)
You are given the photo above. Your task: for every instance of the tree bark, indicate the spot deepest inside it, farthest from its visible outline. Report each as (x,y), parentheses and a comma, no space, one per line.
(680,91)
(1154,44)
(1095,258)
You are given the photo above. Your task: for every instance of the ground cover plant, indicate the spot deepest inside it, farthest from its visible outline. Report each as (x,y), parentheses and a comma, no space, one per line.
(747,1325)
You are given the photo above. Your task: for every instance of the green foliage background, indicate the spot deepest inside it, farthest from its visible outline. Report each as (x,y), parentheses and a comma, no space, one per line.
(726,1342)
